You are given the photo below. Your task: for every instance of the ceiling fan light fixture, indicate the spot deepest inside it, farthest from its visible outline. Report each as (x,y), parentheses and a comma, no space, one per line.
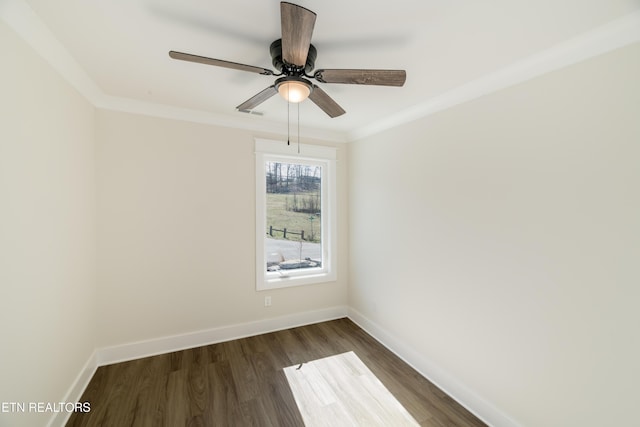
(294,89)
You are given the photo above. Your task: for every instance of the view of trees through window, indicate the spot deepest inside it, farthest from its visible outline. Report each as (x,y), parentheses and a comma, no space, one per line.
(293,206)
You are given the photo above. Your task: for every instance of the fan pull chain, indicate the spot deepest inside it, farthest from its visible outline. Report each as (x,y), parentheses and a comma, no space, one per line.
(298,127)
(288,116)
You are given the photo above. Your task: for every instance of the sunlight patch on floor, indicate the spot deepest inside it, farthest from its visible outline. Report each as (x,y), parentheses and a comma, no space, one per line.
(341,391)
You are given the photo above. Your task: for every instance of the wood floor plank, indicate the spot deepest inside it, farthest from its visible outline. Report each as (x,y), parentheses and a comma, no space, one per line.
(243,383)
(176,408)
(223,396)
(245,379)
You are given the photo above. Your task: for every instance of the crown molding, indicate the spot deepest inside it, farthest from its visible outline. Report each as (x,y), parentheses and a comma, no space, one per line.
(245,122)
(26,23)
(616,34)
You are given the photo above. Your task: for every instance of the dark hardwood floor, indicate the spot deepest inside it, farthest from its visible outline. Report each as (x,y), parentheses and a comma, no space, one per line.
(242,383)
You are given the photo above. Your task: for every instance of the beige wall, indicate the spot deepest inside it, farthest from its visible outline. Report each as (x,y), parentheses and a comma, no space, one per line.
(177,234)
(47,231)
(499,240)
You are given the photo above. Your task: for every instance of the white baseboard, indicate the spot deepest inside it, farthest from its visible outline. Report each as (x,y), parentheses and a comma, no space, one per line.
(137,350)
(75,391)
(442,379)
(445,381)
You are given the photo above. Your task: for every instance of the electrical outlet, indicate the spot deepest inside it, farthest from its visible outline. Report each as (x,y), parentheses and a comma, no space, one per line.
(267,301)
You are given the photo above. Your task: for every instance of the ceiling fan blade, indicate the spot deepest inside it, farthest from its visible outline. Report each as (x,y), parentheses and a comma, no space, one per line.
(297,27)
(257,99)
(219,63)
(363,77)
(325,102)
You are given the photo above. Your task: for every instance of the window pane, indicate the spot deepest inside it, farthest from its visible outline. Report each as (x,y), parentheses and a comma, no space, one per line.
(293,224)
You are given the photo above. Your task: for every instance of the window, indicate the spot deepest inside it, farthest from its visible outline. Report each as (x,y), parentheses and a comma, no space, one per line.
(295,214)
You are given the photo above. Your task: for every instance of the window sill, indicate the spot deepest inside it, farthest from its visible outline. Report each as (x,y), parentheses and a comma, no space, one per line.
(282,281)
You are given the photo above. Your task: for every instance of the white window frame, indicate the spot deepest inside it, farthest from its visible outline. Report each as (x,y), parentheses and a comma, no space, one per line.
(267,150)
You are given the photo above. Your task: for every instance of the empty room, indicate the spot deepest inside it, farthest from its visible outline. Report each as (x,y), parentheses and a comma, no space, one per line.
(357,213)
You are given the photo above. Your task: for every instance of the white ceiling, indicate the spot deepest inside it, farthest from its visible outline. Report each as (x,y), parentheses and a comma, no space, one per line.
(443,45)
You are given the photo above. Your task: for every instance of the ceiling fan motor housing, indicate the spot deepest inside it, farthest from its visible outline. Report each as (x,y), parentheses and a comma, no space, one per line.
(291,69)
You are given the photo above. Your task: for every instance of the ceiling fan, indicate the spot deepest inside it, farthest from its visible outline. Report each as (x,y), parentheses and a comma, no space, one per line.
(294,56)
